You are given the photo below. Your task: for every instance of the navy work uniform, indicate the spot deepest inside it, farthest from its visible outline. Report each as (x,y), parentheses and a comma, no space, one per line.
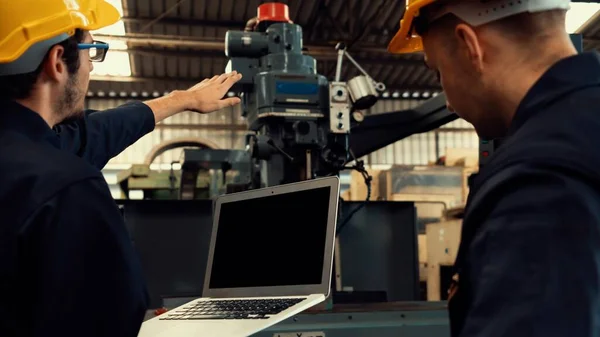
(529,260)
(67,264)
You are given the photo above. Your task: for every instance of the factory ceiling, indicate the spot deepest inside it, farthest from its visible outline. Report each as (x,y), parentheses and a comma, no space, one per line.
(164,45)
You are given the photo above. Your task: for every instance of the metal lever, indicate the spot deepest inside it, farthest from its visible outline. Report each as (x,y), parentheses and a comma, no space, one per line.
(338,71)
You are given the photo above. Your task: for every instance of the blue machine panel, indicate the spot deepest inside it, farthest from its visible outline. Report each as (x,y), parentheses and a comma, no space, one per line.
(296,88)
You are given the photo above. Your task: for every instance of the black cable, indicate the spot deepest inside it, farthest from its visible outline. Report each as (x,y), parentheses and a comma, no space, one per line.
(280,150)
(360,167)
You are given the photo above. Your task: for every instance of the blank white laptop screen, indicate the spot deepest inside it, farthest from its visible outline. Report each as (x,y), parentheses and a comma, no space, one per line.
(271,241)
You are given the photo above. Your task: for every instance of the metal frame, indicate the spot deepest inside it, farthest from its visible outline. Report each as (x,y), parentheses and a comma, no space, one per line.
(415,319)
(381,130)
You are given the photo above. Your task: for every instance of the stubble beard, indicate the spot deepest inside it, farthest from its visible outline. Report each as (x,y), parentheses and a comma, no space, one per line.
(70,105)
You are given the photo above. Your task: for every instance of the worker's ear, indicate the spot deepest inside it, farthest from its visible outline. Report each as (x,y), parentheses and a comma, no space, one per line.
(469,43)
(54,67)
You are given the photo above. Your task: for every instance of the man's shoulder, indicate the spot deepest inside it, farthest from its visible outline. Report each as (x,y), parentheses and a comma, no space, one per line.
(41,157)
(33,172)
(551,183)
(563,135)
(567,125)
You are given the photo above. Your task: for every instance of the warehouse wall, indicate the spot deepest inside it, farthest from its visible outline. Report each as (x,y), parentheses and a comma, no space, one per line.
(417,149)
(184,125)
(423,148)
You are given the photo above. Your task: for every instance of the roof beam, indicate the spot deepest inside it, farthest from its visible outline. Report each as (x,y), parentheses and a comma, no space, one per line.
(172,41)
(182,83)
(226,24)
(207,126)
(389,60)
(229,24)
(138,79)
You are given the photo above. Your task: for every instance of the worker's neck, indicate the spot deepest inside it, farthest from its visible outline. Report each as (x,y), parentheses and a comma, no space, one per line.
(41,102)
(528,72)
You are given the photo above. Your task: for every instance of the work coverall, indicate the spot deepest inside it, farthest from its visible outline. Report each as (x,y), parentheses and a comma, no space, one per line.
(67,265)
(529,260)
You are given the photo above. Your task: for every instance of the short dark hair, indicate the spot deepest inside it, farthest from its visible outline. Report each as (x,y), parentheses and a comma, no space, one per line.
(20,86)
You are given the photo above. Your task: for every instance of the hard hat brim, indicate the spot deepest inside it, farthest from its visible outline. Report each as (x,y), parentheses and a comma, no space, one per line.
(107,15)
(13,46)
(405,41)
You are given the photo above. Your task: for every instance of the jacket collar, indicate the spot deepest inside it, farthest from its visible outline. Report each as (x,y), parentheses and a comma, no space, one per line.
(17,118)
(567,75)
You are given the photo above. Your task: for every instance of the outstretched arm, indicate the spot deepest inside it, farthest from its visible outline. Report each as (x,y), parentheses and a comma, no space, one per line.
(102,135)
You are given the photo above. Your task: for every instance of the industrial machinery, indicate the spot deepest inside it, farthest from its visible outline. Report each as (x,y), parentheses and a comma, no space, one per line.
(301,121)
(202,172)
(303,125)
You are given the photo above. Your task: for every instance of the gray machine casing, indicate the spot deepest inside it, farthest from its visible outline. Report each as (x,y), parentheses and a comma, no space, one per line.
(287,104)
(278,80)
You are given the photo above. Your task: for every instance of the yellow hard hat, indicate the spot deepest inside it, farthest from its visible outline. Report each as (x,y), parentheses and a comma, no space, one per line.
(25,24)
(405,40)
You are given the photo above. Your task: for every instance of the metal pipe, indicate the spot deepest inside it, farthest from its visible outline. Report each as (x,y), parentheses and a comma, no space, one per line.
(160,17)
(338,68)
(214,44)
(165,41)
(364,72)
(339,286)
(145,51)
(308,165)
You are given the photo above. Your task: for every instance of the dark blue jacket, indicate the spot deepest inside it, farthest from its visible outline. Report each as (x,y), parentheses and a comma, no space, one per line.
(529,260)
(67,265)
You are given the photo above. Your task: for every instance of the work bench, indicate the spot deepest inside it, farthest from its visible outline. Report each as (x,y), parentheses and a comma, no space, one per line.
(405,319)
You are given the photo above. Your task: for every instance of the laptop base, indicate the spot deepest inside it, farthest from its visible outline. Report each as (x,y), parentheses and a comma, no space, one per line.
(180,326)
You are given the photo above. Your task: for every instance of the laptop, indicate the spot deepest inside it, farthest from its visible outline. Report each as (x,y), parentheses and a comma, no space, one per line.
(270,257)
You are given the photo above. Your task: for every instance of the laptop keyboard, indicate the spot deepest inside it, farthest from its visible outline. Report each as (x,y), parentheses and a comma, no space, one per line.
(232,309)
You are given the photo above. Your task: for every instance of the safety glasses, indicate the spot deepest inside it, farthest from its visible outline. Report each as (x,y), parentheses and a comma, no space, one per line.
(97,49)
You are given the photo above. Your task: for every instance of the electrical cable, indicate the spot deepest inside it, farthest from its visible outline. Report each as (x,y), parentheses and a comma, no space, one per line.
(360,167)
(280,150)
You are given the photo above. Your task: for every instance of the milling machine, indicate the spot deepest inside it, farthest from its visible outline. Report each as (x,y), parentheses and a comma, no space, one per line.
(302,125)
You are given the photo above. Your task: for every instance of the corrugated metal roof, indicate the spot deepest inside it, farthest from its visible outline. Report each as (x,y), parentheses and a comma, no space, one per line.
(158,30)
(171,65)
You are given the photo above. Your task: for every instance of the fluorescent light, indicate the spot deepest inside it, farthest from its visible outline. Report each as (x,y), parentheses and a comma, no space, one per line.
(117,61)
(580,14)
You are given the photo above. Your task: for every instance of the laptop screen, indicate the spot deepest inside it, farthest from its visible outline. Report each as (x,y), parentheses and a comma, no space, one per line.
(271,241)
